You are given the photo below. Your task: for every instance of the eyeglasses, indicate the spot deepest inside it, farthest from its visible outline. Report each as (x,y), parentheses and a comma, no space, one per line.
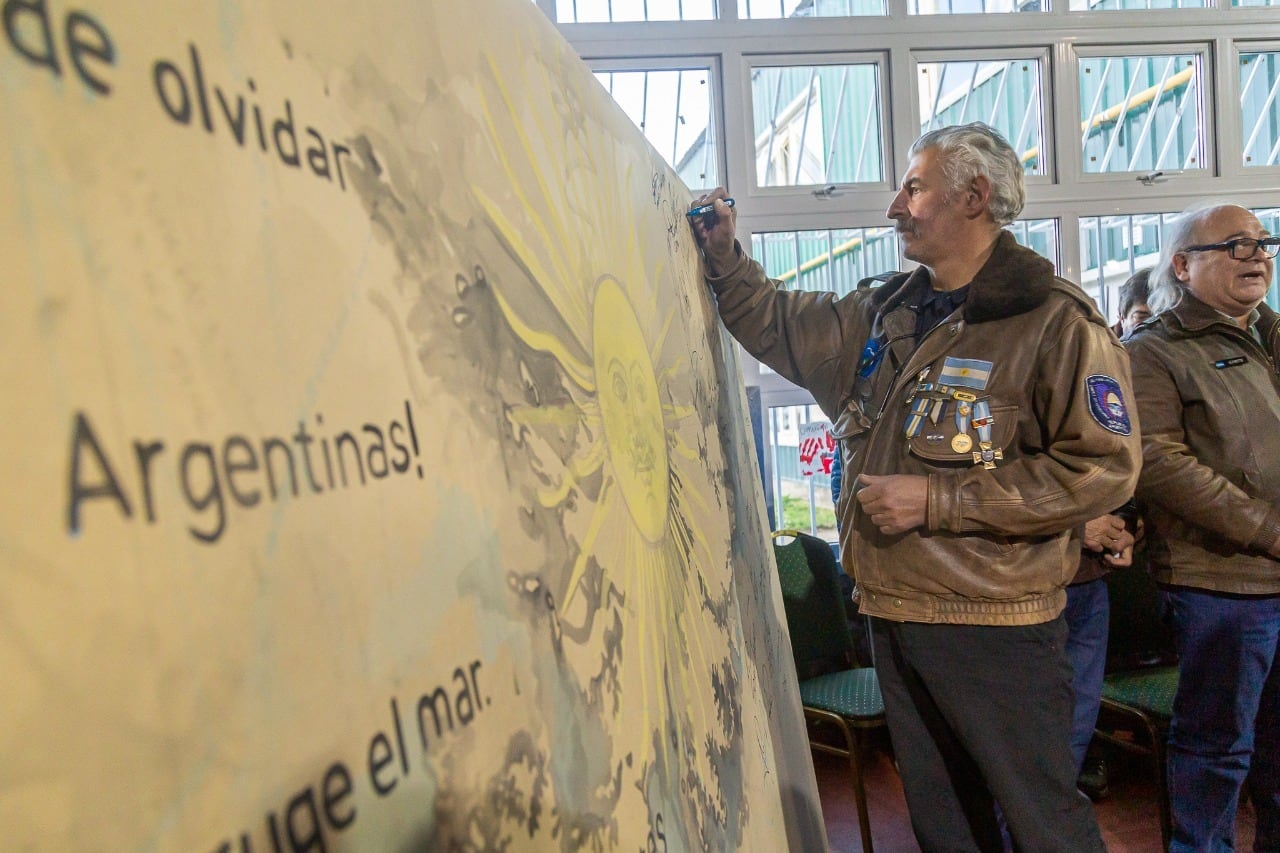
(1242,248)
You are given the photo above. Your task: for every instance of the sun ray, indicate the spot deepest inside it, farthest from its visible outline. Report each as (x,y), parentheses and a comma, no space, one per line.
(585,156)
(675,414)
(577,471)
(565,415)
(678,445)
(587,546)
(660,339)
(579,372)
(678,533)
(678,365)
(692,637)
(539,178)
(653,305)
(643,640)
(573,310)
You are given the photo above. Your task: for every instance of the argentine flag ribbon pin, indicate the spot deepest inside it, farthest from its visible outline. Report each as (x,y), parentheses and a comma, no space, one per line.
(965,372)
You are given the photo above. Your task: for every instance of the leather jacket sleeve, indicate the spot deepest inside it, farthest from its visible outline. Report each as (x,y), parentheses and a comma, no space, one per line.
(805,337)
(1081,470)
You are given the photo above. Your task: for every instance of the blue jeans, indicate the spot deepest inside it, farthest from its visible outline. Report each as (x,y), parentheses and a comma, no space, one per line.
(1088,612)
(1226,718)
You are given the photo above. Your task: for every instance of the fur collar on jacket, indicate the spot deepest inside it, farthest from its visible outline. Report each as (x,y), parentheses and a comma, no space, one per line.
(1013,281)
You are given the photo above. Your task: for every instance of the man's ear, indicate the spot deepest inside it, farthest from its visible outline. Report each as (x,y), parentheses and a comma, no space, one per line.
(977,198)
(1180,271)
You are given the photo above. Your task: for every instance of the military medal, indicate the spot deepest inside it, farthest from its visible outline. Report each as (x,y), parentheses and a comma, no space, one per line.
(982,421)
(929,401)
(919,406)
(987,456)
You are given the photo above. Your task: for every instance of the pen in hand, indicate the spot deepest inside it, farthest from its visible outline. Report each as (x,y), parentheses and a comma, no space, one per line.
(706,208)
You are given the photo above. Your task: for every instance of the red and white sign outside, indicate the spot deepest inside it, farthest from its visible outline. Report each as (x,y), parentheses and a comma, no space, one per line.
(817,448)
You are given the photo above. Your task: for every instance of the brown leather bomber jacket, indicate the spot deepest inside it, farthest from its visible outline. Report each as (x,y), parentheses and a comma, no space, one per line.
(997,547)
(1209,399)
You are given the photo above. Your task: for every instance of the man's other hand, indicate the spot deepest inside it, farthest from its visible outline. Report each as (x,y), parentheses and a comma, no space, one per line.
(896,503)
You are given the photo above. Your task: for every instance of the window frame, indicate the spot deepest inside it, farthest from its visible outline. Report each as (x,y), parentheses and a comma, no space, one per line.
(1204,52)
(1041,55)
(1233,125)
(752,61)
(709,62)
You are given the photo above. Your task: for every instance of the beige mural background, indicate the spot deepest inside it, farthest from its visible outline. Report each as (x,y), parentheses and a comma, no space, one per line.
(376,475)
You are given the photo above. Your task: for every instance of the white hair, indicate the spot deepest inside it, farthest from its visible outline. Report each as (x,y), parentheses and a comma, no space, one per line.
(970,150)
(1166,290)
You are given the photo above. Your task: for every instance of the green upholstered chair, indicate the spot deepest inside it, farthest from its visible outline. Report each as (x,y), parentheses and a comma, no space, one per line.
(1142,678)
(1142,699)
(834,692)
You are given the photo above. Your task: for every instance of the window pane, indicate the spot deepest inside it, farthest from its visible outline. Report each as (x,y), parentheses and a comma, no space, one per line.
(969,7)
(802,503)
(1140,113)
(597,11)
(834,260)
(1003,93)
(1260,108)
(673,109)
(1124,5)
(817,125)
(1038,235)
(809,8)
(1270,219)
(1112,248)
(1255,2)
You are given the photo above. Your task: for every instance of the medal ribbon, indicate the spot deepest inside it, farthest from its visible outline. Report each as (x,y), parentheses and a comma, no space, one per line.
(964,409)
(982,421)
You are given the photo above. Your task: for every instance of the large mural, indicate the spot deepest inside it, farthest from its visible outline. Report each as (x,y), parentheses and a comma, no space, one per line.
(376,476)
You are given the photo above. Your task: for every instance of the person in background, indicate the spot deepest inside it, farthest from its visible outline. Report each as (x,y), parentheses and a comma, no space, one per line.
(1208,399)
(1088,596)
(858,627)
(980,406)
(1133,302)
(1108,543)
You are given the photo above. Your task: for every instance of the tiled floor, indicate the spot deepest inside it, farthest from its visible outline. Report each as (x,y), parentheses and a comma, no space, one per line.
(1128,817)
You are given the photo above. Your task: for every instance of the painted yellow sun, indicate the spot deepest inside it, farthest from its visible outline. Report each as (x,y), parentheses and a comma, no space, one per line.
(631,411)
(570,206)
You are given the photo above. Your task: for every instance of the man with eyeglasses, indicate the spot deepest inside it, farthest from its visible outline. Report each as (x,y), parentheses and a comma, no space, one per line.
(1208,398)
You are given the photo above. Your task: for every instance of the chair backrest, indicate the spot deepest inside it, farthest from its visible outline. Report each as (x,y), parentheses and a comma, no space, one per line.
(811,597)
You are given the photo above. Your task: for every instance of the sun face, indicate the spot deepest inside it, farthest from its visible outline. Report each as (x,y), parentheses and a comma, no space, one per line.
(631,411)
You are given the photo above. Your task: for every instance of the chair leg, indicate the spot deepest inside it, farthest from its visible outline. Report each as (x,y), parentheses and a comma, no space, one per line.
(859,789)
(1159,758)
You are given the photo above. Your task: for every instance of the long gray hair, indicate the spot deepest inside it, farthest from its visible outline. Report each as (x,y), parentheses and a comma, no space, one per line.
(970,150)
(1166,290)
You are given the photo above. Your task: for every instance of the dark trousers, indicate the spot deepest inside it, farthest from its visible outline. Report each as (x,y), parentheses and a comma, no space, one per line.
(1225,732)
(980,714)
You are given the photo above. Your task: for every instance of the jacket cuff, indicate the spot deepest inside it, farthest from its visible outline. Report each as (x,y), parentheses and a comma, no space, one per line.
(732,273)
(943,502)
(1265,539)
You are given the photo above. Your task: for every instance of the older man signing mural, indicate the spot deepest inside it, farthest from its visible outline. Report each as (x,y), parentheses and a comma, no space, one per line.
(982,406)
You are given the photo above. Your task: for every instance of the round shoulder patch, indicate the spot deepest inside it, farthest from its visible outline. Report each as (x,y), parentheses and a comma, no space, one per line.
(1106,404)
